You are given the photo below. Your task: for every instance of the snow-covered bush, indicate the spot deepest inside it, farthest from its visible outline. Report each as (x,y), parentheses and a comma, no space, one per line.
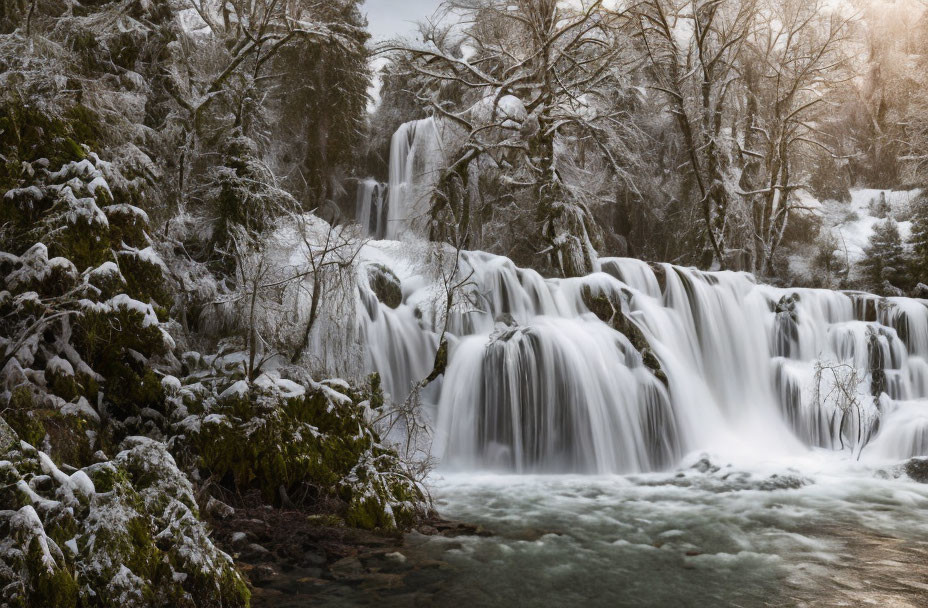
(288,438)
(80,297)
(120,532)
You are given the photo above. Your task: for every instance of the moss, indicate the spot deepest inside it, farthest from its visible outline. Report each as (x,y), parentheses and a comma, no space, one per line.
(385,285)
(266,442)
(30,134)
(106,477)
(49,588)
(86,244)
(22,417)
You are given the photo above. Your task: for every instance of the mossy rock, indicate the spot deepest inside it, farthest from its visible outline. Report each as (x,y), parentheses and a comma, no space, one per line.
(610,309)
(252,438)
(385,285)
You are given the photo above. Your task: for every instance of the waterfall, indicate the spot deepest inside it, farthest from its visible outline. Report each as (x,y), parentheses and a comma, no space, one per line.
(370,208)
(634,366)
(631,368)
(415,159)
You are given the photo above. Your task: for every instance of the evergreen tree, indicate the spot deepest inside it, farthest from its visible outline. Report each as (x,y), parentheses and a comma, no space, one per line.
(918,241)
(884,263)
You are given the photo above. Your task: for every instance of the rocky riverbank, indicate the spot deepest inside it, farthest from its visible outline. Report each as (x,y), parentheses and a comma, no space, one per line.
(294,558)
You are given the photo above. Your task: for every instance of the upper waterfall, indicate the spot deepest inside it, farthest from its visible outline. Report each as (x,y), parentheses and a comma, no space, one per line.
(415,158)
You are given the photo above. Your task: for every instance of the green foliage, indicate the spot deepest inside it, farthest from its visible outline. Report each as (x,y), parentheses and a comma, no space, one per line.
(259,437)
(918,240)
(28,134)
(131,538)
(884,259)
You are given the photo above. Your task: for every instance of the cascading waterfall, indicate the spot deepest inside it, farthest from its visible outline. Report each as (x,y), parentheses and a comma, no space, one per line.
(634,366)
(415,159)
(539,379)
(370,208)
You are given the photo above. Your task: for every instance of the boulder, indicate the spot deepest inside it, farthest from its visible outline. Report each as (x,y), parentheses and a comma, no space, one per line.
(917,469)
(385,285)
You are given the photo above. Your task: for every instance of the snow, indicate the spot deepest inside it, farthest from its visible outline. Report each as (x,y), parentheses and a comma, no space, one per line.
(81,407)
(287,389)
(127,209)
(509,112)
(852,223)
(28,520)
(99,182)
(124,301)
(59,367)
(107,270)
(191,23)
(171,384)
(82,209)
(238,389)
(81,483)
(32,193)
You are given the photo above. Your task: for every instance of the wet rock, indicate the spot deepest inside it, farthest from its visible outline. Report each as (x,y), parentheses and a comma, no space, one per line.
(219,509)
(661,274)
(610,308)
(385,284)
(347,567)
(506,319)
(920,291)
(314,557)
(255,550)
(891,290)
(262,574)
(783,482)
(917,469)
(704,465)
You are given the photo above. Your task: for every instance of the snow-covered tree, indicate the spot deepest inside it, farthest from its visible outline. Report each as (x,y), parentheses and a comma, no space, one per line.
(794,52)
(531,79)
(883,268)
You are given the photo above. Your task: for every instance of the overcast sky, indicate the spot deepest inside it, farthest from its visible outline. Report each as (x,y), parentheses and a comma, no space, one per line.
(391,17)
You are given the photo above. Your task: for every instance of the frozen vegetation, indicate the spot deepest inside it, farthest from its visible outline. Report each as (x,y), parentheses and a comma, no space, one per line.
(638,291)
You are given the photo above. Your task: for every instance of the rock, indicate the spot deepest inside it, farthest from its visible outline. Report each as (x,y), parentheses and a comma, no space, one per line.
(891,290)
(704,465)
(347,567)
(396,556)
(506,319)
(8,436)
(314,557)
(218,509)
(256,549)
(920,291)
(385,285)
(261,574)
(917,469)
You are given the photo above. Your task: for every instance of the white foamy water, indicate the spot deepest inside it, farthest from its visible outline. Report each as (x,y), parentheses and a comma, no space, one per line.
(731,537)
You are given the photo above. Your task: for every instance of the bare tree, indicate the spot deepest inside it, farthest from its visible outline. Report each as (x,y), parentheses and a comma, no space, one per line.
(328,269)
(532,73)
(796,55)
(692,49)
(842,384)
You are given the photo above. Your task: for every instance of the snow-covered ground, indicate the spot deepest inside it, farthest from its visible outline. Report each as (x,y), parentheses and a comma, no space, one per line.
(852,222)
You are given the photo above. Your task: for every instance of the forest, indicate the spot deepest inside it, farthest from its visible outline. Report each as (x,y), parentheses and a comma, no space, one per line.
(267,284)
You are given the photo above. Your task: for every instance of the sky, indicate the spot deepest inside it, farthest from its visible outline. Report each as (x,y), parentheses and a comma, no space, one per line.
(388,18)
(396,17)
